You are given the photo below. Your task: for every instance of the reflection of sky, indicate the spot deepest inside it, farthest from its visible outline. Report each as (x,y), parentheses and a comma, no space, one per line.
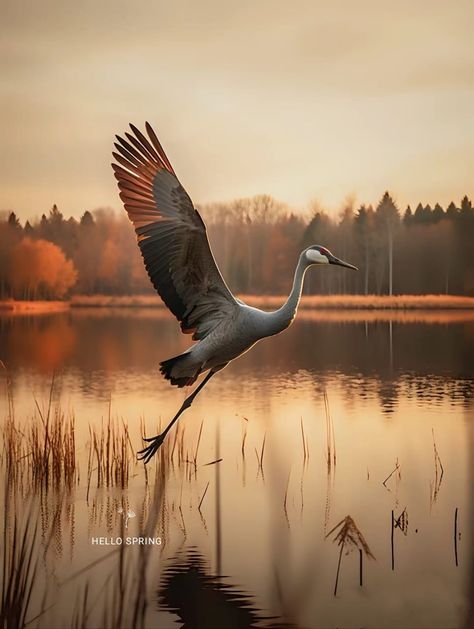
(381,413)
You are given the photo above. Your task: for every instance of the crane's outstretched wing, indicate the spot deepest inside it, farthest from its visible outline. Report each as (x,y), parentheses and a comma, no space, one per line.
(171,235)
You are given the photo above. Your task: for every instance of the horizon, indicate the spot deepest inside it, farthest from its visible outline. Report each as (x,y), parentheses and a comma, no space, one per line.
(311,209)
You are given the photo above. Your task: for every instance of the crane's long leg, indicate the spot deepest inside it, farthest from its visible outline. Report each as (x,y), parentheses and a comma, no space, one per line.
(155,442)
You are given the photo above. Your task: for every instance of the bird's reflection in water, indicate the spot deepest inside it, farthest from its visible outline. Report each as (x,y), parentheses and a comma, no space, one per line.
(206,601)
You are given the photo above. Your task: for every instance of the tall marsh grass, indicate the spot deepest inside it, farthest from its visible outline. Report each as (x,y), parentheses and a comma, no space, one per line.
(19,568)
(110,453)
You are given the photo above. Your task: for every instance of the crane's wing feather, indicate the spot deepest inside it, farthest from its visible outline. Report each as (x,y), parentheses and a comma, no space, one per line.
(171,235)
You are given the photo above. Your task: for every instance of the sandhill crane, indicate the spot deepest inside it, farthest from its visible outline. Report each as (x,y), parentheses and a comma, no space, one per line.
(173,241)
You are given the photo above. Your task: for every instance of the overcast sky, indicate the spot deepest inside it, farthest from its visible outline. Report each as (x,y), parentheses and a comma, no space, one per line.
(302,100)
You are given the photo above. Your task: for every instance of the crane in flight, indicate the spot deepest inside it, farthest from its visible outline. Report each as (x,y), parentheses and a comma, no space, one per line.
(178,258)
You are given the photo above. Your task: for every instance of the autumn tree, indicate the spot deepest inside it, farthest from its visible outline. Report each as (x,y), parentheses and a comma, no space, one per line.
(39,268)
(256,242)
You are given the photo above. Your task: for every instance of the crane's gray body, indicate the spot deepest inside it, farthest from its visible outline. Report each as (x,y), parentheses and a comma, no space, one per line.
(236,334)
(228,340)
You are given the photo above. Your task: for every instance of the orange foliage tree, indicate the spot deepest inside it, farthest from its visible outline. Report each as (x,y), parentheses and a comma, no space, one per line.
(39,268)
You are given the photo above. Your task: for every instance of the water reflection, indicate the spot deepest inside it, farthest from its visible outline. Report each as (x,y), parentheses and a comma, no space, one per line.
(382,347)
(393,383)
(202,600)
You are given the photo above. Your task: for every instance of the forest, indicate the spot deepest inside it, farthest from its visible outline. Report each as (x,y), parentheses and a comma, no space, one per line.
(256,242)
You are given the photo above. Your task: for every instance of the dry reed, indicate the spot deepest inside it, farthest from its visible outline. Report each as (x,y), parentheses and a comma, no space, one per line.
(19,570)
(285,511)
(350,537)
(330,437)
(262,452)
(305,444)
(439,473)
(203,496)
(396,470)
(110,453)
(456,537)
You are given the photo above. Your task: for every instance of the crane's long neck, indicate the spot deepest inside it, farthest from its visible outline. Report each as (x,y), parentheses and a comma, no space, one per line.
(282,317)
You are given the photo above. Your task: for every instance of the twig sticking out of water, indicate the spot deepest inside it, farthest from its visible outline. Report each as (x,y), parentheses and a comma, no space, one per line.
(285,499)
(213,462)
(143,432)
(456,536)
(193,463)
(398,523)
(262,452)
(198,442)
(330,438)
(349,537)
(203,496)
(439,472)
(244,437)
(402,522)
(305,444)
(396,469)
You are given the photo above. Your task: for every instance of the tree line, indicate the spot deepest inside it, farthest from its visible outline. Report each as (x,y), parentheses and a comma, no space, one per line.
(256,243)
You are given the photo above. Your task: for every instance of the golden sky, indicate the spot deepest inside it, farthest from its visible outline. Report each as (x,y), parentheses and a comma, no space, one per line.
(302,100)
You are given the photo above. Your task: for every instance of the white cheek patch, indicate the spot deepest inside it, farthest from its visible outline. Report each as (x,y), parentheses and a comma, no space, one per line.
(313,255)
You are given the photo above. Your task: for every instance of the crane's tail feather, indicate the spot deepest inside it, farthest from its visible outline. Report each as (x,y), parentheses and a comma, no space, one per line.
(172,370)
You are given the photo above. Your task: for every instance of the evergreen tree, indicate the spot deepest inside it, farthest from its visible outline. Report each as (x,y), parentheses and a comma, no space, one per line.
(87,220)
(388,218)
(408,216)
(466,206)
(364,226)
(422,214)
(438,213)
(452,211)
(13,221)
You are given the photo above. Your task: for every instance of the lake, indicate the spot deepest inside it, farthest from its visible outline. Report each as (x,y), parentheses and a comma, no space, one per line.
(347,413)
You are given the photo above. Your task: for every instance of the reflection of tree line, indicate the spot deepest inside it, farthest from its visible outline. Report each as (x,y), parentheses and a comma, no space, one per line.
(256,242)
(359,353)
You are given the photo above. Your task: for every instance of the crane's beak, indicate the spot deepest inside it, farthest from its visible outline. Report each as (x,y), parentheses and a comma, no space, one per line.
(335,260)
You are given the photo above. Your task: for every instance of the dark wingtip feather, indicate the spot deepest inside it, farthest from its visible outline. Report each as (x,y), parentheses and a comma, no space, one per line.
(157,145)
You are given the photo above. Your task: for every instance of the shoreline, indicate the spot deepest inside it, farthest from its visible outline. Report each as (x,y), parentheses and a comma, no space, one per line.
(308,302)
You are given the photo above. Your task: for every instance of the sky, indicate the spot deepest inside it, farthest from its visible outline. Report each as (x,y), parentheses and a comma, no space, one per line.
(307,101)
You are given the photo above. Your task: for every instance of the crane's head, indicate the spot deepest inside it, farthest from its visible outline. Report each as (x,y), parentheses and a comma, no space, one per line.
(320,255)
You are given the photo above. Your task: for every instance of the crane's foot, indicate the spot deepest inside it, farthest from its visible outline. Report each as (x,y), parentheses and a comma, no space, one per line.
(147,453)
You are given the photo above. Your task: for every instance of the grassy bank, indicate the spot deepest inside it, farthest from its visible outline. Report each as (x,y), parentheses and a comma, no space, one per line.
(267,302)
(33,307)
(366,302)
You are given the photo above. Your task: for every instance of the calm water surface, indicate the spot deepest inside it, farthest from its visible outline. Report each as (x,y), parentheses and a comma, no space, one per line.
(256,552)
